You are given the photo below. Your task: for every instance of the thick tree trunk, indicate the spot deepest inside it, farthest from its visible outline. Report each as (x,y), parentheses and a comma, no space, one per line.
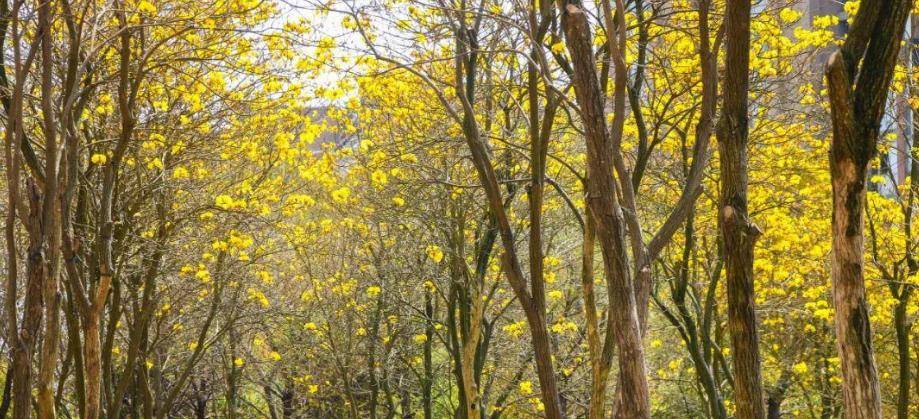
(858,76)
(861,392)
(738,232)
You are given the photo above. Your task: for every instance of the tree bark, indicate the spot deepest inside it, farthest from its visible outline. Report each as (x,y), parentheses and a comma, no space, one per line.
(427,382)
(858,76)
(738,232)
(604,207)
(51,222)
(92,355)
(24,346)
(902,327)
(598,373)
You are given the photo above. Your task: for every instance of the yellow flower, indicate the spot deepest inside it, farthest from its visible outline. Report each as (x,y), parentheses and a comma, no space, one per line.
(558,47)
(180,173)
(525,387)
(275,356)
(203,275)
(789,15)
(851,7)
(420,338)
(99,158)
(239,362)
(146,7)
(823,22)
(341,195)
(379,179)
(223,202)
(155,164)
(435,253)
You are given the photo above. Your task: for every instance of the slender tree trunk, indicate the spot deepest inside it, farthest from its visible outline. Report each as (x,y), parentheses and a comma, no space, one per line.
(372,358)
(776,395)
(737,231)
(902,327)
(467,51)
(7,390)
(93,301)
(598,371)
(24,347)
(704,371)
(11,157)
(467,364)
(92,358)
(428,378)
(604,207)
(51,221)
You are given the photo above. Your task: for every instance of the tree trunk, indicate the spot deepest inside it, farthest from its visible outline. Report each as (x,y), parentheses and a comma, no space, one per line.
(428,378)
(92,358)
(861,393)
(467,364)
(25,345)
(704,370)
(466,62)
(604,207)
(902,327)
(858,76)
(51,221)
(776,395)
(738,232)
(598,372)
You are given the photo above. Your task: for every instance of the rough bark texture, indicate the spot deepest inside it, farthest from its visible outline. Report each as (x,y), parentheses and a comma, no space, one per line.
(902,327)
(51,222)
(24,348)
(858,76)
(738,233)
(604,207)
(598,373)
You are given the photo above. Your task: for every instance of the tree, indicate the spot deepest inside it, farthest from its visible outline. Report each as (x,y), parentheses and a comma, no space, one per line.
(738,232)
(858,76)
